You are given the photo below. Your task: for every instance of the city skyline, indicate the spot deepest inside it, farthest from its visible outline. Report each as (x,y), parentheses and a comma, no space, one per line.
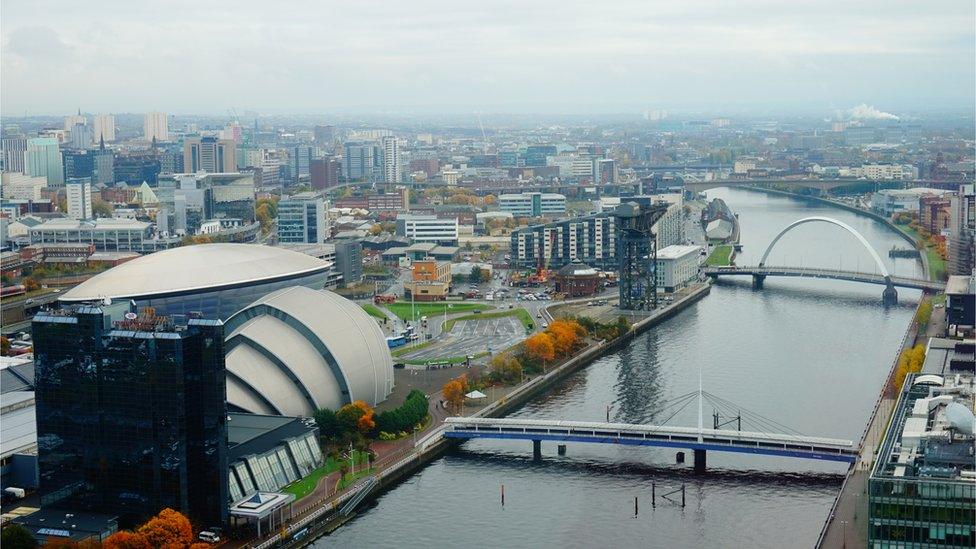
(500,57)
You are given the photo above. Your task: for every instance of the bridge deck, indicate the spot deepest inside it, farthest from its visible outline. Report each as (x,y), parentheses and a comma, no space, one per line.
(721,440)
(835,274)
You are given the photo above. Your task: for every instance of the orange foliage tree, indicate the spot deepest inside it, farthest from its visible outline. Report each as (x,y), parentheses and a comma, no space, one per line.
(358,415)
(455,390)
(540,347)
(564,336)
(166,528)
(124,539)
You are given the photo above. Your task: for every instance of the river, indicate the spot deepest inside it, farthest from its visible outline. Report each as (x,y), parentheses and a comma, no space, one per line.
(809,354)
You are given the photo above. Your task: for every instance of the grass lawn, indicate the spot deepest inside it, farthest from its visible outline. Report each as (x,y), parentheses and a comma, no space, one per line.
(404,350)
(306,485)
(350,478)
(720,257)
(373,311)
(937,265)
(451,359)
(402,308)
(520,313)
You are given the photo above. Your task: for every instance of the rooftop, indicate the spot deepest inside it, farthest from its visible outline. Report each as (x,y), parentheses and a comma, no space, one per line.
(253,433)
(961,285)
(676,251)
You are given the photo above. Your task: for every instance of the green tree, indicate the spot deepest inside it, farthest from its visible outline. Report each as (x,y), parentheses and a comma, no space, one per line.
(15,536)
(506,368)
(101,208)
(327,422)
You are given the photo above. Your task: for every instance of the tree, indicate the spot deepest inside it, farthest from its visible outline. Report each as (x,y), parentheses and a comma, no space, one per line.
(327,422)
(31,285)
(375,230)
(16,536)
(454,391)
(124,539)
(564,338)
(506,367)
(101,208)
(4,345)
(490,199)
(540,347)
(924,314)
(167,527)
(356,416)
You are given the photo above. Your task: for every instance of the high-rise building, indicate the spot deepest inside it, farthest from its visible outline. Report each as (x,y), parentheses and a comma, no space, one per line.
(155,125)
(104,171)
(349,261)
(43,158)
(962,231)
(103,127)
(303,219)
(324,172)
(209,154)
(79,198)
(590,239)
(300,159)
(131,412)
(13,153)
(358,161)
(532,204)
(428,228)
(80,136)
(71,120)
(392,168)
(78,163)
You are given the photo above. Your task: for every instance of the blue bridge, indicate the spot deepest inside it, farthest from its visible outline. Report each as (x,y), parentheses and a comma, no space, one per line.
(699,440)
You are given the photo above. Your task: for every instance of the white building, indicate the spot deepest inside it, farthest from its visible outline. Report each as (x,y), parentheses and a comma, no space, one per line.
(670,228)
(572,166)
(428,228)
(532,204)
(886,172)
(19,186)
(392,164)
(79,199)
(891,201)
(155,125)
(451,177)
(70,121)
(303,219)
(104,127)
(677,266)
(745,163)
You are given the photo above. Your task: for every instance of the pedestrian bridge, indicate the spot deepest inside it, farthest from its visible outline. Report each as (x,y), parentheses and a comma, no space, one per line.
(697,439)
(835,274)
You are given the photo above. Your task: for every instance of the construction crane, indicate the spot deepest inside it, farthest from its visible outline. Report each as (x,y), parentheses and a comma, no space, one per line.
(484,136)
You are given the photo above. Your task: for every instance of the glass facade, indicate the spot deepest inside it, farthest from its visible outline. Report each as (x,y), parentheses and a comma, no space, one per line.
(276,468)
(923,493)
(131,420)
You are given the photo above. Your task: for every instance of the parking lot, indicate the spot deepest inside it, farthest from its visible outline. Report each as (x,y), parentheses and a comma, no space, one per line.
(471,337)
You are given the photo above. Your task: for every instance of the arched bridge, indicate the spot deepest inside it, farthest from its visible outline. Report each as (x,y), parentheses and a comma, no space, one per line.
(761,271)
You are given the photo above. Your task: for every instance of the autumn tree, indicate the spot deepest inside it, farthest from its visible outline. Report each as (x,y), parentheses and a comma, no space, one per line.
(30,284)
(540,347)
(564,336)
(4,345)
(124,539)
(356,416)
(910,362)
(506,367)
(454,391)
(168,527)
(15,536)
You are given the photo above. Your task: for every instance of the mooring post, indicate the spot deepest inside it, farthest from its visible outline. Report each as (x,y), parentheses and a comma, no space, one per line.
(653,496)
(699,461)
(537,450)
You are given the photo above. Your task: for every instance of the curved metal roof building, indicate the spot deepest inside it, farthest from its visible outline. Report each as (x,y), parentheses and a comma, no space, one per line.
(216,280)
(297,350)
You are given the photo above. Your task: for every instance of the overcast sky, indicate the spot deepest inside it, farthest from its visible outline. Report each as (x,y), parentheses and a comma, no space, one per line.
(566,56)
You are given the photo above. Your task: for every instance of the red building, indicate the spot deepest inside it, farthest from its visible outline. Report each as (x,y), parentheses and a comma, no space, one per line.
(577,280)
(324,172)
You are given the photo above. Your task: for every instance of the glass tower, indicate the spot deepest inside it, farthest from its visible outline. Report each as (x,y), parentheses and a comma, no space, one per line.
(131,414)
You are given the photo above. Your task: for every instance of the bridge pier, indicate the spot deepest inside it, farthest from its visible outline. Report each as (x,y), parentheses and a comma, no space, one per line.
(890,295)
(699,462)
(536,450)
(757,281)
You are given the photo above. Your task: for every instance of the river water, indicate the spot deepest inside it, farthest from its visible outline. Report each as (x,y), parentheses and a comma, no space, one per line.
(809,354)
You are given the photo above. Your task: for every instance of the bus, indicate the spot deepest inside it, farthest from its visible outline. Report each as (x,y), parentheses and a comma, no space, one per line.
(394,342)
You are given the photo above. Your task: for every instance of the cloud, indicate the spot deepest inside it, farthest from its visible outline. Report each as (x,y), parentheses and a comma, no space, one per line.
(868,112)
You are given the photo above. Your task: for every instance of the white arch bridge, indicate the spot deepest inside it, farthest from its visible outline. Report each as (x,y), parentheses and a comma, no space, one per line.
(882,277)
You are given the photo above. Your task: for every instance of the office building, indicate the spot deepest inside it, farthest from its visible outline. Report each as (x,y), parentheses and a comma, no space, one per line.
(106,234)
(669,230)
(605,171)
(19,186)
(14,149)
(300,160)
(590,240)
(155,126)
(349,261)
(392,167)
(934,213)
(209,154)
(131,412)
(430,280)
(962,231)
(136,167)
(199,197)
(43,158)
(72,120)
(960,305)
(921,490)
(266,453)
(78,163)
(888,202)
(427,228)
(103,128)
(532,204)
(677,266)
(79,198)
(358,161)
(324,172)
(103,171)
(396,200)
(303,219)
(536,155)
